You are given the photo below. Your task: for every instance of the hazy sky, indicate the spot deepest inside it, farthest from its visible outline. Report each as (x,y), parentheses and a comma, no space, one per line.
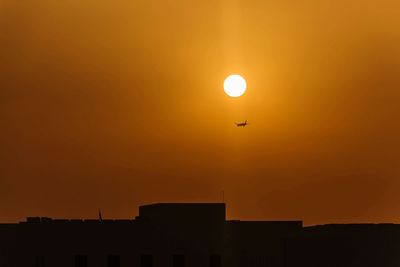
(113,104)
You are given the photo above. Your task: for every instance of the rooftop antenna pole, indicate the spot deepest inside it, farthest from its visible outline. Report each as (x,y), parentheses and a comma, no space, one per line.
(100,217)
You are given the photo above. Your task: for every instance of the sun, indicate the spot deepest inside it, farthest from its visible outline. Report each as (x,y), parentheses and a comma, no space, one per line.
(235,85)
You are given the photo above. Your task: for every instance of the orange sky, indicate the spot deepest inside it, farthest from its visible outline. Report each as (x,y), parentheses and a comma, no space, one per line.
(112,104)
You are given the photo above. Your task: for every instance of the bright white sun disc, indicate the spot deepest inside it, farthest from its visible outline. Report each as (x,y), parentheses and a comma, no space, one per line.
(235,85)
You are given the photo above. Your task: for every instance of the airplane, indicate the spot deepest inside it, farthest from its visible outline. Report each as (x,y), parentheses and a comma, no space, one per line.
(241,124)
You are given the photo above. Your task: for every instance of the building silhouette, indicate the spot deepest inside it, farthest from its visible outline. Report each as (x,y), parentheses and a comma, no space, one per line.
(198,235)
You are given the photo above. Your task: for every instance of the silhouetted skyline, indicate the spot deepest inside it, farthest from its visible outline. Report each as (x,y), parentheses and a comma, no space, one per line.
(196,235)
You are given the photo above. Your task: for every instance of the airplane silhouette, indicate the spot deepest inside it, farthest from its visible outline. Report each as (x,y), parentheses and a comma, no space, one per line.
(241,124)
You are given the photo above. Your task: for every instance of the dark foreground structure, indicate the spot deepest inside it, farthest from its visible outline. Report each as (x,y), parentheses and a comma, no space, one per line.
(198,235)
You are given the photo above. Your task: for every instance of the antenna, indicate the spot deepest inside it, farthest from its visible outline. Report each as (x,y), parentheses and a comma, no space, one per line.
(100,217)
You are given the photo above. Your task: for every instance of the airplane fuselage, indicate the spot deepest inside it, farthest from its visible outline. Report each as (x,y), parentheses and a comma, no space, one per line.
(241,124)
